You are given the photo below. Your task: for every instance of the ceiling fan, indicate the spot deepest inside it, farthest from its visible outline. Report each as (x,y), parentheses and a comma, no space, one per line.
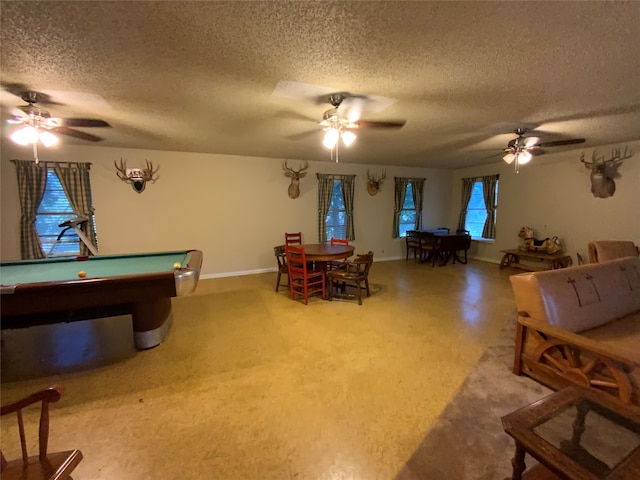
(345,116)
(38,124)
(521,149)
(339,121)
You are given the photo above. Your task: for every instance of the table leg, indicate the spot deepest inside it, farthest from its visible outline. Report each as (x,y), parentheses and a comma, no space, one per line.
(518,463)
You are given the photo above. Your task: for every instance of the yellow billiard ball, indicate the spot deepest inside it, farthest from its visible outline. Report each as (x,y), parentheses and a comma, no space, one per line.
(177,266)
(82,274)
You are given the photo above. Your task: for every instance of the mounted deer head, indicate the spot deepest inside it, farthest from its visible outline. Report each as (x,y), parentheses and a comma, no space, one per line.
(374,182)
(295,176)
(137,177)
(603,171)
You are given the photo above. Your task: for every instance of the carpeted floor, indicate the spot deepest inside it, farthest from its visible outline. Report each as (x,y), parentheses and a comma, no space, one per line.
(467,441)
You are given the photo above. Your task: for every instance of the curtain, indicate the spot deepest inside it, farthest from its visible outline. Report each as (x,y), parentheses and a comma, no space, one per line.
(348,188)
(74,178)
(489,184)
(32,180)
(467,188)
(325,189)
(417,185)
(400,192)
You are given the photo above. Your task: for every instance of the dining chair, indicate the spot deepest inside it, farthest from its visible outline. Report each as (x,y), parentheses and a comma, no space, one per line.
(429,247)
(333,264)
(293,238)
(355,274)
(413,243)
(46,465)
(303,280)
(281,258)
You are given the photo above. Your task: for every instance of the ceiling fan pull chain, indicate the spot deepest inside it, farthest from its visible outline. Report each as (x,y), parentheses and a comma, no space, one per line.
(35,152)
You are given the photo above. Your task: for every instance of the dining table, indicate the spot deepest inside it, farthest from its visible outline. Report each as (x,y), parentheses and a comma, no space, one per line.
(323,253)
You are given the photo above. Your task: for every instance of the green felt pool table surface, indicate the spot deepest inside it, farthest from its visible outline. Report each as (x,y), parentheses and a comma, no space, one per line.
(38,292)
(66,268)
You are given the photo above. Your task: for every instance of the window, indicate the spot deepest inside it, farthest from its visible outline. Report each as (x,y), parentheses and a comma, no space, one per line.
(408,212)
(477,210)
(336,219)
(54,209)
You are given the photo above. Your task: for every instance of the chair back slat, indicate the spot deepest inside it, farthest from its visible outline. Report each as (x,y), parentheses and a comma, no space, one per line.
(293,238)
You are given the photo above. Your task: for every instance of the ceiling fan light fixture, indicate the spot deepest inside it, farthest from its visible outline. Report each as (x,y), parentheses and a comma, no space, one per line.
(348,138)
(48,139)
(331,138)
(524,157)
(509,158)
(25,135)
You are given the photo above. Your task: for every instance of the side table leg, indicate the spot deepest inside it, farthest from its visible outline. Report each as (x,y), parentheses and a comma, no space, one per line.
(518,463)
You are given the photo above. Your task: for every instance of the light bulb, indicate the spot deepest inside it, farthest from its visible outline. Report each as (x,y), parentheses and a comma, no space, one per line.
(509,158)
(48,139)
(25,135)
(331,138)
(524,157)
(348,137)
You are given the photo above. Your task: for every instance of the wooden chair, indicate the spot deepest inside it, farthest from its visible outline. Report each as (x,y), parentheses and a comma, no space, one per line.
(281,258)
(355,274)
(303,280)
(413,243)
(429,247)
(293,238)
(45,465)
(333,264)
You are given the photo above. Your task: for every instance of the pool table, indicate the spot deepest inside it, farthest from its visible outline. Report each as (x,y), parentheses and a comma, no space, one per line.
(52,290)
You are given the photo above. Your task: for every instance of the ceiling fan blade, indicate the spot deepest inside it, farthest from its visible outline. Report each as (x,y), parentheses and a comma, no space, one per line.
(558,143)
(368,124)
(83,122)
(77,134)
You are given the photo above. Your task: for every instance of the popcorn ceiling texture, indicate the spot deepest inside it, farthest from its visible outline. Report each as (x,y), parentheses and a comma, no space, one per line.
(199,76)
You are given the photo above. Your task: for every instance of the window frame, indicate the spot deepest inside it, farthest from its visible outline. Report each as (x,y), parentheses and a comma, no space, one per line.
(329,229)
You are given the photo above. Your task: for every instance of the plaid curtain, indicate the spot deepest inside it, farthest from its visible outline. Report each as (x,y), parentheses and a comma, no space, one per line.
(489,185)
(325,189)
(348,189)
(32,180)
(417,185)
(467,188)
(74,178)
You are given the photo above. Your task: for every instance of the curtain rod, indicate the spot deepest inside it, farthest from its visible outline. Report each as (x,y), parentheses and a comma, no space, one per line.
(52,163)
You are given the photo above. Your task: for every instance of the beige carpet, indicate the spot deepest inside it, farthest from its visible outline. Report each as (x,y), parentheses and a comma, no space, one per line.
(467,441)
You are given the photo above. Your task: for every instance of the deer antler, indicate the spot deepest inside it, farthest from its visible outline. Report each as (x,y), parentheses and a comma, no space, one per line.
(616,156)
(289,172)
(151,171)
(375,178)
(121,170)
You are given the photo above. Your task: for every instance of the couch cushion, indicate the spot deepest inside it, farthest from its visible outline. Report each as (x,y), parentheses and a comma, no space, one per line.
(604,250)
(581,297)
(621,336)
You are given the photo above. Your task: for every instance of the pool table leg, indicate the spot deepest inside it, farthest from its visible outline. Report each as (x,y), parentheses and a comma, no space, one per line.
(151,322)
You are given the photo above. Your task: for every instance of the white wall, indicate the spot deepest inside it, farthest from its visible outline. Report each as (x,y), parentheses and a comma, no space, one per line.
(553,196)
(235,209)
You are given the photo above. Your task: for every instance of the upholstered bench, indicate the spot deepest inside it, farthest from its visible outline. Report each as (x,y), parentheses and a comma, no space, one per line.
(581,325)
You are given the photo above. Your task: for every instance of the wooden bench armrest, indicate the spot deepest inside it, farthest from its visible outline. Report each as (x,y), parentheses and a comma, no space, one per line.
(574,339)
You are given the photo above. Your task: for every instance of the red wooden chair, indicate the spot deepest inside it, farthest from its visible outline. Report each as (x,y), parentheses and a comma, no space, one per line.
(45,465)
(302,279)
(293,238)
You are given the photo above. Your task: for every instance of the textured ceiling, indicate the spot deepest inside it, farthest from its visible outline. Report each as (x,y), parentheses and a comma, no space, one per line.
(200,76)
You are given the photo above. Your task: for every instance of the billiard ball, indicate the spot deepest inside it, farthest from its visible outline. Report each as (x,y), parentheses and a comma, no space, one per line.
(177,266)
(82,274)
